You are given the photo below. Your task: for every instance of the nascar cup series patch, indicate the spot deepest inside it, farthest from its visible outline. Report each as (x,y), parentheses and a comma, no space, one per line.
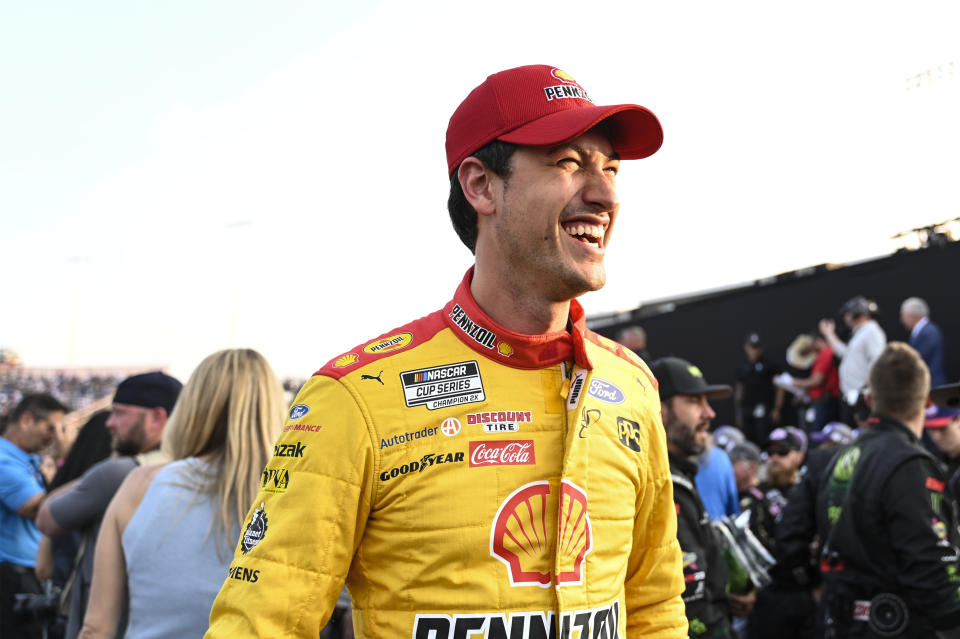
(443,386)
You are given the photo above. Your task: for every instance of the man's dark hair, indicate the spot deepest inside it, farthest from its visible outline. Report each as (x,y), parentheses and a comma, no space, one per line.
(496,157)
(899,382)
(40,405)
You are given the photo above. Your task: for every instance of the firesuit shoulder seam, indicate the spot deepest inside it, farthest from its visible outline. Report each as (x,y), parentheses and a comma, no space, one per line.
(394,341)
(373,435)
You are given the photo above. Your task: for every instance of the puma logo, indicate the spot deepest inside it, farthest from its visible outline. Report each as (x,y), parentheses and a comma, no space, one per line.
(377,377)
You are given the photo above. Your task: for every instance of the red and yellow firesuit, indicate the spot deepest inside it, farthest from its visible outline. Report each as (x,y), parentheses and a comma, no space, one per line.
(466,481)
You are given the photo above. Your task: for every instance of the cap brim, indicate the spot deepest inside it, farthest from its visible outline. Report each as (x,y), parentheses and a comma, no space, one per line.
(947,396)
(937,422)
(717,391)
(634,131)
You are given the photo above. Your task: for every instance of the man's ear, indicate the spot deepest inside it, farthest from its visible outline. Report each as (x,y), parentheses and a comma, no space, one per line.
(477,183)
(158,417)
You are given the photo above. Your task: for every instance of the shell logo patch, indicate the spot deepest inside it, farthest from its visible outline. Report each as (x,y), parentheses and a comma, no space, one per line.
(521,538)
(389,344)
(346,360)
(505,349)
(563,76)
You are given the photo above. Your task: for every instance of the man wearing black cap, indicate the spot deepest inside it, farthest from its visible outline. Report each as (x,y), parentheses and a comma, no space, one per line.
(686,413)
(757,401)
(140,410)
(867,340)
(781,612)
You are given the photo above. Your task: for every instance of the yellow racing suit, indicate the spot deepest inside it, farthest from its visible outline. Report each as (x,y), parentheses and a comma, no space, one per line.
(466,481)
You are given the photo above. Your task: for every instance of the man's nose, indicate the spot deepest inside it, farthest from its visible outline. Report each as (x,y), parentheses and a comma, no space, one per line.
(600,191)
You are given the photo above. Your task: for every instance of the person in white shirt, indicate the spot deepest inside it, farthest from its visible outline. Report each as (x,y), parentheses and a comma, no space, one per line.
(866,343)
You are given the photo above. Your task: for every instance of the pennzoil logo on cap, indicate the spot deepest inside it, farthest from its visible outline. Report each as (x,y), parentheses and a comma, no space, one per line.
(571,88)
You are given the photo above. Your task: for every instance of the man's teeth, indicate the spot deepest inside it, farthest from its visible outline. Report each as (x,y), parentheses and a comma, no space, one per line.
(591,232)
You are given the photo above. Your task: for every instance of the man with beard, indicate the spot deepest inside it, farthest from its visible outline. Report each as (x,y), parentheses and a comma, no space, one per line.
(140,410)
(686,413)
(781,612)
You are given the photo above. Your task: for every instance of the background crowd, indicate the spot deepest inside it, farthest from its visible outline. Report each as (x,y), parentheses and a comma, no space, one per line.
(101,474)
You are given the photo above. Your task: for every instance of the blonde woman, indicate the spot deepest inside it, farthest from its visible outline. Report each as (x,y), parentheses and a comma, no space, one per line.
(168,536)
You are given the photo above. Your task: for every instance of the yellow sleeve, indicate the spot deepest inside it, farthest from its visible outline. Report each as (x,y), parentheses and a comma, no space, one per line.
(299,538)
(654,582)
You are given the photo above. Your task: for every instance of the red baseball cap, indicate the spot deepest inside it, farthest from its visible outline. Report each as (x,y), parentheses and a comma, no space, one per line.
(540,105)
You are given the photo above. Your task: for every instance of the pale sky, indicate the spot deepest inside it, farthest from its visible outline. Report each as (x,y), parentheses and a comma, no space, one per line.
(180,177)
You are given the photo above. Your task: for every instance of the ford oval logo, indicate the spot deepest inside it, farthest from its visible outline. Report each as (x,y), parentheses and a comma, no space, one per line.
(299,411)
(606,392)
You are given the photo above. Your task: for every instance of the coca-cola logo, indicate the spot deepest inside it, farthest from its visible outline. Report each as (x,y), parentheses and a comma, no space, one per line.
(514,452)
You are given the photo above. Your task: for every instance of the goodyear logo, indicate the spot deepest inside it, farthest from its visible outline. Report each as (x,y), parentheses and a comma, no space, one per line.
(693,370)
(347,360)
(389,344)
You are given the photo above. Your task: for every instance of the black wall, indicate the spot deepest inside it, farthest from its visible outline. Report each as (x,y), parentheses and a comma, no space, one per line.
(710,332)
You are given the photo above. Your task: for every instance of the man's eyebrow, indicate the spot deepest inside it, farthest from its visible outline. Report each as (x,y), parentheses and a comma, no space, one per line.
(582,151)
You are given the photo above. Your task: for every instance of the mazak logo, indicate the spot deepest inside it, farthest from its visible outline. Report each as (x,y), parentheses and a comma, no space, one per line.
(515,452)
(483,336)
(588,623)
(289,450)
(628,432)
(500,421)
(255,531)
(576,389)
(605,391)
(519,536)
(389,344)
(275,480)
(443,386)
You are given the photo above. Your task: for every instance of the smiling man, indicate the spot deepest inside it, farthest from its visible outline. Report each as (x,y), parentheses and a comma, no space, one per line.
(508,475)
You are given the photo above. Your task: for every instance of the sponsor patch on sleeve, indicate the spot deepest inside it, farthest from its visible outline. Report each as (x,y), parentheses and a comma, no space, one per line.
(935,484)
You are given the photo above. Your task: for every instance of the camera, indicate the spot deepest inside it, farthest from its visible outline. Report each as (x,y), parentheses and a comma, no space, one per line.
(29,606)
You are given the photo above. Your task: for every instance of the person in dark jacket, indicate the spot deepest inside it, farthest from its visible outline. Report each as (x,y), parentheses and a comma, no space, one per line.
(684,395)
(888,528)
(780,612)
